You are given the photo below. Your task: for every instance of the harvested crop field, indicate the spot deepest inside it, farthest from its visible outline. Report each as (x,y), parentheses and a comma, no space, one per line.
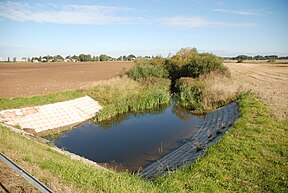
(267,81)
(28,79)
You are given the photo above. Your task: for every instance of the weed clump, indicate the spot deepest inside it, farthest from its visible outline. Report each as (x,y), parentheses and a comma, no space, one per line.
(123,95)
(146,68)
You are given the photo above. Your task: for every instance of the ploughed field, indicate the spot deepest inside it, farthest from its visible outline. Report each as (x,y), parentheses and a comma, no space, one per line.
(28,79)
(267,81)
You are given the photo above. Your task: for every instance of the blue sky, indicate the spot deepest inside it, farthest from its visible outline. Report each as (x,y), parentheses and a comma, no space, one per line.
(151,27)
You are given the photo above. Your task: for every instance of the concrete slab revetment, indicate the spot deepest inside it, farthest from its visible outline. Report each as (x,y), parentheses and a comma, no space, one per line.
(42,118)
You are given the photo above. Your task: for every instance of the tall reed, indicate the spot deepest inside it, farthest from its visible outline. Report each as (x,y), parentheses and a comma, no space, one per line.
(122,95)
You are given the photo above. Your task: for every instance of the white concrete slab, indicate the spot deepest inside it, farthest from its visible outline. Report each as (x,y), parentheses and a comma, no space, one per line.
(42,118)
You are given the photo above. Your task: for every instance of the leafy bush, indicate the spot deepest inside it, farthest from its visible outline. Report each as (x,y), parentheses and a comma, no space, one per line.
(145,68)
(203,64)
(186,63)
(189,63)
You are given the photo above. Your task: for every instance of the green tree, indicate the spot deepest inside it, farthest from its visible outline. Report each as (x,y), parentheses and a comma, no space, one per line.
(131,57)
(189,63)
(271,57)
(34,59)
(95,58)
(75,58)
(58,58)
(243,57)
(258,57)
(84,57)
(48,57)
(120,58)
(104,57)
(184,55)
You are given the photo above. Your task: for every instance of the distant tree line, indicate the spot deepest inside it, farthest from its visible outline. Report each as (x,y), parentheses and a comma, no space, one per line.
(257,57)
(131,57)
(79,58)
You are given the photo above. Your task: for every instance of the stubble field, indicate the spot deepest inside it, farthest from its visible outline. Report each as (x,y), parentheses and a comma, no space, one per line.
(268,81)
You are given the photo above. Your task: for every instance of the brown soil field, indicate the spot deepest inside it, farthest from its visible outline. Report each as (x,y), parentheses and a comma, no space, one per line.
(268,81)
(29,79)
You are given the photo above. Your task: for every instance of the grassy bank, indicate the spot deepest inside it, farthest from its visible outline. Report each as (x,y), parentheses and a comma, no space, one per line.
(118,95)
(122,95)
(19,102)
(251,157)
(49,166)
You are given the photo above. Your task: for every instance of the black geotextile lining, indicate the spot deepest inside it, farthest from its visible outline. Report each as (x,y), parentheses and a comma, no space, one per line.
(214,125)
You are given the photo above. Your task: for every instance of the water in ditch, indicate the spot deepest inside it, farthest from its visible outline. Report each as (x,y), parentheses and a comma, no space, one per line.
(133,140)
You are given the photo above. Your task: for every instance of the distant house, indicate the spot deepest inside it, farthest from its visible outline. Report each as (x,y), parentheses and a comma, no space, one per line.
(24,59)
(35,61)
(70,60)
(67,60)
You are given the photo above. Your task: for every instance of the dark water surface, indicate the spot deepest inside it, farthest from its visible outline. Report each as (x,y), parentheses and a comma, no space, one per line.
(131,141)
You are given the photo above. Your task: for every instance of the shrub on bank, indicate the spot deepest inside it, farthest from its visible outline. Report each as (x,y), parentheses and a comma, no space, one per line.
(189,63)
(146,68)
(186,63)
(206,93)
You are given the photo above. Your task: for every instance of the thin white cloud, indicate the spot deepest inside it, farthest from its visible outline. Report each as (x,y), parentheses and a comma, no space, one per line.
(182,22)
(237,12)
(67,14)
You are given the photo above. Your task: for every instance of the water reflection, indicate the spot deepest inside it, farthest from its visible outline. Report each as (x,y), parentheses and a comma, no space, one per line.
(131,140)
(121,117)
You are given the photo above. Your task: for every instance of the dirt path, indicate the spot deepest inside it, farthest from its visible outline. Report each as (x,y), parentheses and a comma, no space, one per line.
(28,79)
(267,81)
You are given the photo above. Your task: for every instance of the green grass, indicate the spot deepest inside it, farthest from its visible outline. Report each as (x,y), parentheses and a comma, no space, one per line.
(20,102)
(251,157)
(124,95)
